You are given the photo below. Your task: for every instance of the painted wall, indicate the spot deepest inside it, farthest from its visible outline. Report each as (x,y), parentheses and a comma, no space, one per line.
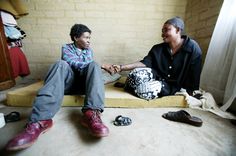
(123,31)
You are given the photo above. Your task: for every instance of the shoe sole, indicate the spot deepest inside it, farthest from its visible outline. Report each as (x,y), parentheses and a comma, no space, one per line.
(29,144)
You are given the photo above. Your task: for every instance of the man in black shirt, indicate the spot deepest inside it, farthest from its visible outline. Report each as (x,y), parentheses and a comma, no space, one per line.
(176,62)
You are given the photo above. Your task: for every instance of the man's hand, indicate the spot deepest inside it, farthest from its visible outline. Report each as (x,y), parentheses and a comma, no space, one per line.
(117,68)
(109,68)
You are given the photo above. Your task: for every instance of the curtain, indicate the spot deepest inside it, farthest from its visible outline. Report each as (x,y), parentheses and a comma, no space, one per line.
(219,70)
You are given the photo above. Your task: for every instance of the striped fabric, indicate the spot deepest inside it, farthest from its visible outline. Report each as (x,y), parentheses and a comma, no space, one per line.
(75,57)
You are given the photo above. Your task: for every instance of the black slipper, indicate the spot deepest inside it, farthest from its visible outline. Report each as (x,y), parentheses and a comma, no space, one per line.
(122,121)
(119,85)
(233,121)
(183,116)
(12,117)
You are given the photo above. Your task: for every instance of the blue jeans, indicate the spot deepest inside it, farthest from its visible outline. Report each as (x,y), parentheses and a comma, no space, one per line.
(62,79)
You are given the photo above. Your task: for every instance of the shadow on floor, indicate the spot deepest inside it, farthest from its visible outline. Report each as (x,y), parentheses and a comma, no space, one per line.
(83,132)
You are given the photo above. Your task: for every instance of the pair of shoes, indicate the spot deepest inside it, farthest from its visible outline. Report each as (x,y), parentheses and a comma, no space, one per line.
(183,116)
(30,134)
(122,121)
(92,120)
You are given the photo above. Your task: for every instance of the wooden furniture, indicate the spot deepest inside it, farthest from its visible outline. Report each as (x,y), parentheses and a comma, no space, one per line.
(6,75)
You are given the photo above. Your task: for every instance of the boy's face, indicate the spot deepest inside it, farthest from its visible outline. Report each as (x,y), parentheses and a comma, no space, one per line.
(83,41)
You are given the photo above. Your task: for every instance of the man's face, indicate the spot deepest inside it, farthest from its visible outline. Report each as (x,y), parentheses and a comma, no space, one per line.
(83,41)
(169,33)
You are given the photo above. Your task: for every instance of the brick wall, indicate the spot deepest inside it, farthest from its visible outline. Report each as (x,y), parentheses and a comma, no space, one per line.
(200,20)
(123,31)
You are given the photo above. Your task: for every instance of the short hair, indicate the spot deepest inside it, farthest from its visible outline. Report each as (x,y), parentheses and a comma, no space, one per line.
(176,22)
(77,30)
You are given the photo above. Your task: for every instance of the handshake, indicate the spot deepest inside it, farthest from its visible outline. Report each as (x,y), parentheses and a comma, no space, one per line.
(112,68)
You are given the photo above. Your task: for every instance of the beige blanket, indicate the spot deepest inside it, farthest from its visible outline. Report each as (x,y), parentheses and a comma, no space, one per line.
(206,103)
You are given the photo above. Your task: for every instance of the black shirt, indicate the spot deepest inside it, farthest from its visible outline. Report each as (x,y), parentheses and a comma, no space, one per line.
(181,70)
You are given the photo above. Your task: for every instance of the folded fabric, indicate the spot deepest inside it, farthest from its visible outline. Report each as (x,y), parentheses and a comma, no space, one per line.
(12,32)
(141,83)
(184,117)
(8,19)
(205,103)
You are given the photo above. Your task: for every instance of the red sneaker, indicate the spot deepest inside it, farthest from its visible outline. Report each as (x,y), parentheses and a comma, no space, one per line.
(91,119)
(29,135)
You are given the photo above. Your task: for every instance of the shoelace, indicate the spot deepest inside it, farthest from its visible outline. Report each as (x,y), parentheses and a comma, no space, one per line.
(96,117)
(30,127)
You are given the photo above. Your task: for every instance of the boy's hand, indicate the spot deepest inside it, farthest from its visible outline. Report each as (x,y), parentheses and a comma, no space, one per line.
(109,68)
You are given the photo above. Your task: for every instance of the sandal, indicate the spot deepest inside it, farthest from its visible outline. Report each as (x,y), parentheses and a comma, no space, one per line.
(122,121)
(184,117)
(12,117)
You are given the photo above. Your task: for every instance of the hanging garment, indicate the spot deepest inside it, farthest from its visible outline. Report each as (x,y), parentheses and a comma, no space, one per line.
(12,32)
(8,19)
(19,62)
(16,43)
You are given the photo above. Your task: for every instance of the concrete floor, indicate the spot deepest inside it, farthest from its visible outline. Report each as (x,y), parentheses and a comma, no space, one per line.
(149,134)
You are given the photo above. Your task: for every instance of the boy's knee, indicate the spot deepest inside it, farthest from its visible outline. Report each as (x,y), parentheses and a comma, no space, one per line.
(61,63)
(93,65)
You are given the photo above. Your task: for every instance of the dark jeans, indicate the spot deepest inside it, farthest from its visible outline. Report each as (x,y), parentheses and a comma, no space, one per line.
(62,79)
